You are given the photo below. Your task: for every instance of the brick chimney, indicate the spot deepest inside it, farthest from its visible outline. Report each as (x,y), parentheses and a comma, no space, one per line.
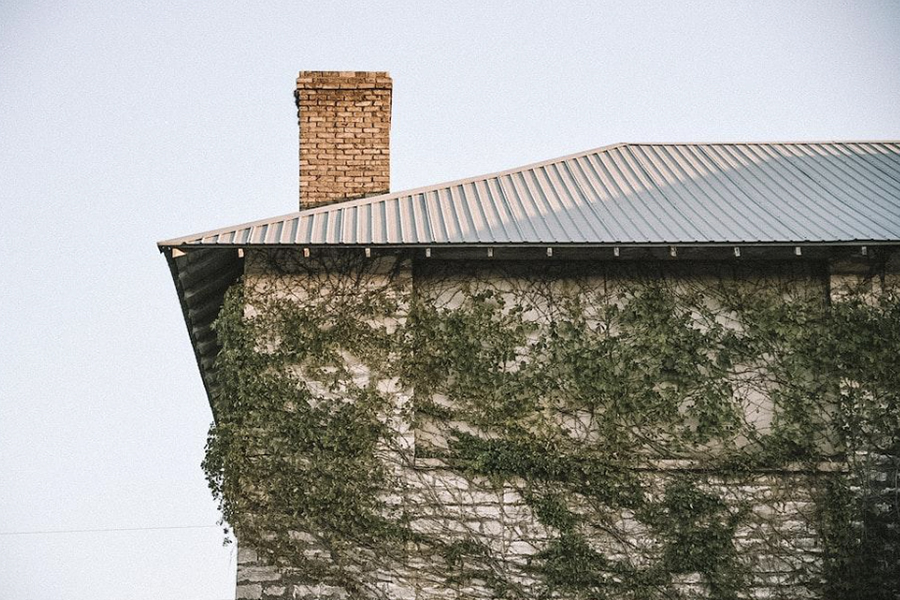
(345,124)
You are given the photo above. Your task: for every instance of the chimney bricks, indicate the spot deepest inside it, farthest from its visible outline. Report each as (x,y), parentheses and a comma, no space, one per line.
(345,124)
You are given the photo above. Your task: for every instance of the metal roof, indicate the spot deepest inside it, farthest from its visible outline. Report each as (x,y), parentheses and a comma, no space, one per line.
(818,192)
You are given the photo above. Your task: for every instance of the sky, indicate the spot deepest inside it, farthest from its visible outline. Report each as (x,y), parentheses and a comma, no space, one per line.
(124,123)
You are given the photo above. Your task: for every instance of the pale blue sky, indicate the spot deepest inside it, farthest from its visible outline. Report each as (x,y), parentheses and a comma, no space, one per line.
(123,123)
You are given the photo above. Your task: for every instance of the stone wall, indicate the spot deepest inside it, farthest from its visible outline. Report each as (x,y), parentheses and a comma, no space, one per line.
(779,545)
(778,539)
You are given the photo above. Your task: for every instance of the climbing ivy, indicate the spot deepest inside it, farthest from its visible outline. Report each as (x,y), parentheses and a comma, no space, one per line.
(655,425)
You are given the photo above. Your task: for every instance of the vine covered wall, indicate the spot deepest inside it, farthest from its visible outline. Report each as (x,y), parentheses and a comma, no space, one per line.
(439,429)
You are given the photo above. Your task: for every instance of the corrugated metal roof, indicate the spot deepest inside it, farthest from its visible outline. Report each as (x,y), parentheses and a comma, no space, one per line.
(622,194)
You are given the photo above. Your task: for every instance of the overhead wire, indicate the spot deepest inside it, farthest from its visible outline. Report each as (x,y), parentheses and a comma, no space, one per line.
(106,530)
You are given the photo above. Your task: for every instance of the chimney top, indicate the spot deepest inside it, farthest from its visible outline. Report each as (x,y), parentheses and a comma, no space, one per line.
(334,80)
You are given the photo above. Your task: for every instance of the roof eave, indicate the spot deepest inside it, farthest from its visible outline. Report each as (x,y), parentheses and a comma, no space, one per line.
(201,278)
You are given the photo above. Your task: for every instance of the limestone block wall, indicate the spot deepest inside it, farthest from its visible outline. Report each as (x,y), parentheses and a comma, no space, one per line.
(779,545)
(779,535)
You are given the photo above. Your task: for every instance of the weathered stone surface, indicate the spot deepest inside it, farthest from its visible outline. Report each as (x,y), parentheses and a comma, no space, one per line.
(249,592)
(257,574)
(247,556)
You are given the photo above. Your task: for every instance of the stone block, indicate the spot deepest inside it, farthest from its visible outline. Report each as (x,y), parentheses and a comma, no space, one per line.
(248,592)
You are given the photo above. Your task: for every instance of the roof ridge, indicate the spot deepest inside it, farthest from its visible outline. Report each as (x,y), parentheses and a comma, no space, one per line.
(765,143)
